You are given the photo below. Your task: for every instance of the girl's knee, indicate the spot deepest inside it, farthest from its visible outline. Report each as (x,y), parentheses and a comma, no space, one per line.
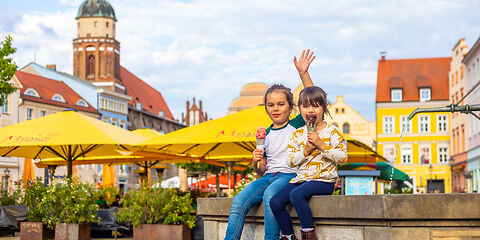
(275,204)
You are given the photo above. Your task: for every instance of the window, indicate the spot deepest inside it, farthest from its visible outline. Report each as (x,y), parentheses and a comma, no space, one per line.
(452,80)
(91,66)
(106,24)
(82,103)
(442,123)
(405,124)
(406,153)
(343,110)
(121,123)
(442,154)
(105,119)
(396,95)
(388,124)
(57,97)
(336,110)
(389,152)
(346,128)
(424,153)
(113,121)
(95,24)
(423,123)
(5,106)
(31,92)
(29,113)
(425,94)
(461,72)
(43,113)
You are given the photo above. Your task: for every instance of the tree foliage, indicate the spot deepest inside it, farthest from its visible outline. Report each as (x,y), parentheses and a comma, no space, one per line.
(7,69)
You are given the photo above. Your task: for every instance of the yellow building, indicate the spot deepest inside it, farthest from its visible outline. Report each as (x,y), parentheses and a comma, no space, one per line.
(251,95)
(348,120)
(423,152)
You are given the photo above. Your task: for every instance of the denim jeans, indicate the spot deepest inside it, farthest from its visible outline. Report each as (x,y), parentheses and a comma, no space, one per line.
(298,194)
(253,194)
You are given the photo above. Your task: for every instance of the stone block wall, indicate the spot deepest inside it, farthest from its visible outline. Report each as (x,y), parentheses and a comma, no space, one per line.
(385,217)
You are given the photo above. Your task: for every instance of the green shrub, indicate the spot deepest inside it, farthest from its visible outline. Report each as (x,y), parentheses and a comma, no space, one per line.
(71,202)
(34,192)
(156,206)
(10,194)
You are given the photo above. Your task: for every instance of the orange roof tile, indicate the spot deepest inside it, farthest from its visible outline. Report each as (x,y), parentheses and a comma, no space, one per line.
(151,99)
(47,88)
(412,74)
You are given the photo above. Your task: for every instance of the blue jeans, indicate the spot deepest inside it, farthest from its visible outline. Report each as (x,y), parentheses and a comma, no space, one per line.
(298,194)
(253,194)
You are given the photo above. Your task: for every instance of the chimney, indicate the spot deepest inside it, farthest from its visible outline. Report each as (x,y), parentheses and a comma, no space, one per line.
(187,114)
(200,103)
(52,67)
(382,54)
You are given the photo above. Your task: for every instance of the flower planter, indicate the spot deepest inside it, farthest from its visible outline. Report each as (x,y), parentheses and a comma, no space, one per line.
(72,231)
(161,231)
(35,231)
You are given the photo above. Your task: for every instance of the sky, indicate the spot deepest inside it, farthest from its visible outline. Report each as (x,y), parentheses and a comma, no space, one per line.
(210,49)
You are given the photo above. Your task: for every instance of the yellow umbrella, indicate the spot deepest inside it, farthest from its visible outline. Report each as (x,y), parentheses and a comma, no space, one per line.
(108,179)
(147,132)
(28,173)
(231,138)
(68,135)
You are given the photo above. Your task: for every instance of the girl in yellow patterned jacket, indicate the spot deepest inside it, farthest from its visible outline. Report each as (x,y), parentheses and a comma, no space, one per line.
(316,149)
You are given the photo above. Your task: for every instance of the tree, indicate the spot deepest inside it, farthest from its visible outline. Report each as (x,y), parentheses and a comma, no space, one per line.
(7,69)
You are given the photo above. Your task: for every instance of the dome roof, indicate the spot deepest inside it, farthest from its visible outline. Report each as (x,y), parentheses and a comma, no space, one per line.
(96,8)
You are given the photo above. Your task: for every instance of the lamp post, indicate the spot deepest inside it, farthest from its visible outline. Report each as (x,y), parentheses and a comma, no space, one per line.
(451,161)
(7,175)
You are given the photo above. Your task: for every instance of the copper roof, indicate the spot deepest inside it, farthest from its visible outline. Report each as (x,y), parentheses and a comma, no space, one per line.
(412,74)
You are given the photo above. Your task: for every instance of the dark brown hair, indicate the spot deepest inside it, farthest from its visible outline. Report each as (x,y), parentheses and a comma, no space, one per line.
(279,87)
(314,96)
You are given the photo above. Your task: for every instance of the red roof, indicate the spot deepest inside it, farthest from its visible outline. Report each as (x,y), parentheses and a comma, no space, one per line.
(151,99)
(47,88)
(412,74)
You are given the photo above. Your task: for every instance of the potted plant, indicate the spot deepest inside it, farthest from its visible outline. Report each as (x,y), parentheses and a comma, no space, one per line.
(70,208)
(158,213)
(33,228)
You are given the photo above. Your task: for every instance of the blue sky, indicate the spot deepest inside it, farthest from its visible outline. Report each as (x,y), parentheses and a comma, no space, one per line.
(210,49)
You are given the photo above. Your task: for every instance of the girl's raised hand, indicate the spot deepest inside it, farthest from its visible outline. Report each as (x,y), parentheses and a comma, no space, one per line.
(304,61)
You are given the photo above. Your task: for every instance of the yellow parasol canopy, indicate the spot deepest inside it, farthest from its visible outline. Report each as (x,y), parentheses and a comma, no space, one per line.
(28,173)
(67,135)
(232,138)
(108,177)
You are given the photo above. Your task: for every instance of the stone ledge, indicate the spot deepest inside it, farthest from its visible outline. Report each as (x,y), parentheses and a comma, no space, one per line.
(380,207)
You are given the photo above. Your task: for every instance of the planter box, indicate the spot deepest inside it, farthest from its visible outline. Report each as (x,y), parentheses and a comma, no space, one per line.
(161,231)
(35,231)
(72,231)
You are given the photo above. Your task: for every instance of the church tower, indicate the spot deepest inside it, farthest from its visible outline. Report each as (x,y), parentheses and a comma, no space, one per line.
(96,53)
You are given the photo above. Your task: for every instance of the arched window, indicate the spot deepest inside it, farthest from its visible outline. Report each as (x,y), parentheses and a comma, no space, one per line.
(346,128)
(31,92)
(57,97)
(91,66)
(82,103)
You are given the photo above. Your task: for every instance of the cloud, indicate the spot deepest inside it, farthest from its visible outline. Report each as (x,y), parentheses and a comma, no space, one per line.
(210,49)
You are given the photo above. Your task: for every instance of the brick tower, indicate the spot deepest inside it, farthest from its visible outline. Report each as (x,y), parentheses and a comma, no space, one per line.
(96,53)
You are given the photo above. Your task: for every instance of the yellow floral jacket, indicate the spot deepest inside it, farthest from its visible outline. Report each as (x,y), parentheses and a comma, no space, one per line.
(318,166)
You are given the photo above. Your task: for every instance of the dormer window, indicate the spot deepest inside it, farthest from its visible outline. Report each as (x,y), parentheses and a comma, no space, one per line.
(425,94)
(57,97)
(396,95)
(82,103)
(32,92)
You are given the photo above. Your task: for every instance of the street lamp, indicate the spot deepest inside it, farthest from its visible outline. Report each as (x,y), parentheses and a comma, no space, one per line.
(7,175)
(451,161)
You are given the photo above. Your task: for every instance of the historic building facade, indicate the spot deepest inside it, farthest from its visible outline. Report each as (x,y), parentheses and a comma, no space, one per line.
(472,66)
(458,121)
(423,153)
(251,95)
